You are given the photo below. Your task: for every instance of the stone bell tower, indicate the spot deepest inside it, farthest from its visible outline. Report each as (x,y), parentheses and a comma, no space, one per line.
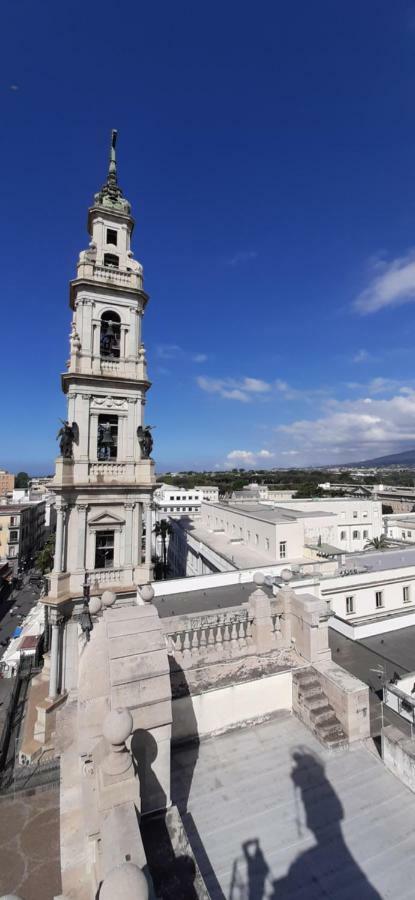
(104,477)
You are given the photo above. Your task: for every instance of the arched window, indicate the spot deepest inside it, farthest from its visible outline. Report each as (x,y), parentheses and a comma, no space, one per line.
(111,260)
(110,335)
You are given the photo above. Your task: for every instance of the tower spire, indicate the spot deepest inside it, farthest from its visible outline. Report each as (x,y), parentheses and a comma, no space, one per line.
(111,194)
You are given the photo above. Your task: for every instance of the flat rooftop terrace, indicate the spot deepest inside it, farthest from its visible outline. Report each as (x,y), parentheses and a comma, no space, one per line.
(383,559)
(271,814)
(212,598)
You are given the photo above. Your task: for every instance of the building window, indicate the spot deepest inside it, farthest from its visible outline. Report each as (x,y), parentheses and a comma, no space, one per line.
(13,520)
(349,605)
(111,260)
(342,535)
(405,592)
(110,335)
(379,599)
(267,544)
(365,515)
(365,534)
(107,437)
(14,537)
(256,540)
(356,535)
(409,533)
(248,537)
(355,514)
(283,549)
(104,550)
(112,236)
(403,534)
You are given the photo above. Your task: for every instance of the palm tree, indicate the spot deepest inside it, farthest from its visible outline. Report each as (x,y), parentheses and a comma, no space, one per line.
(378,543)
(44,559)
(162,530)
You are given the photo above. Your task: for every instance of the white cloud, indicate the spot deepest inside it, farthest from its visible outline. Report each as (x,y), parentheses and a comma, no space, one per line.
(361,356)
(242,256)
(173,351)
(249,456)
(365,427)
(391,285)
(232,388)
(289,452)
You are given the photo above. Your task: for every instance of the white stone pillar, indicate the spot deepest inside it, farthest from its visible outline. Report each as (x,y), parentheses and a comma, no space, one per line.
(135,536)
(57,568)
(54,660)
(93,438)
(81,525)
(149,521)
(128,533)
(139,534)
(133,348)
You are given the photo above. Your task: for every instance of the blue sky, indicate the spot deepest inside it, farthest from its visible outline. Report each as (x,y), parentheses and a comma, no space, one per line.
(268,151)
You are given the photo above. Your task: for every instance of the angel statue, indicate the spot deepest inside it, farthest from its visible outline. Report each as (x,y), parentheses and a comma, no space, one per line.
(145,440)
(67,436)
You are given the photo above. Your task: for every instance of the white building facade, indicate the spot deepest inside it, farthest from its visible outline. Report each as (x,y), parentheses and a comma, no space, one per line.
(104,479)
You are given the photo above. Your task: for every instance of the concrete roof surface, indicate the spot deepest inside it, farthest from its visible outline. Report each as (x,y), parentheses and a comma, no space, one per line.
(379,560)
(210,598)
(271,814)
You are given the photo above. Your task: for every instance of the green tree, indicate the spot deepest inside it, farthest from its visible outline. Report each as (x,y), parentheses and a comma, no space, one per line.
(21,481)
(162,530)
(44,559)
(378,543)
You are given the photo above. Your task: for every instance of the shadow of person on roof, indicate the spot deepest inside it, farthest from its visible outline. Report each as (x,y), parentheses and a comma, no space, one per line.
(328,869)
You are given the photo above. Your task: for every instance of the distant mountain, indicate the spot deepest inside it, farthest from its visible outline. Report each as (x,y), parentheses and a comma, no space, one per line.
(406,458)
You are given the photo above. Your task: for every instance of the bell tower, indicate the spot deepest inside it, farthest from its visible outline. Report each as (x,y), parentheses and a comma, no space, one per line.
(105,478)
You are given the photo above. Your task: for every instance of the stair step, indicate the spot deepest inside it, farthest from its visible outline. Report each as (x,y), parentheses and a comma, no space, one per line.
(306,678)
(321,715)
(311,689)
(330,724)
(317,702)
(335,740)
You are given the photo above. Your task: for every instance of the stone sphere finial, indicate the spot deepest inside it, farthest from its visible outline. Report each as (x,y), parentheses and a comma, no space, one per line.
(286,576)
(109,598)
(95,605)
(118,725)
(125,882)
(259,578)
(147,592)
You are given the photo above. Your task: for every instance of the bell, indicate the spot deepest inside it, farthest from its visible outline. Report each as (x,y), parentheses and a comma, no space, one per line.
(110,331)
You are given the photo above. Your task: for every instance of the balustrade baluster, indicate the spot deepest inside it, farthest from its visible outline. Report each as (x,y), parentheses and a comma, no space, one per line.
(178,643)
(241,633)
(203,640)
(195,640)
(234,638)
(211,640)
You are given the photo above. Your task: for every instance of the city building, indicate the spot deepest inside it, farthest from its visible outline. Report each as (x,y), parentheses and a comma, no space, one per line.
(6,482)
(170,500)
(400,527)
(240,534)
(208,492)
(22,532)
(104,479)
(353,523)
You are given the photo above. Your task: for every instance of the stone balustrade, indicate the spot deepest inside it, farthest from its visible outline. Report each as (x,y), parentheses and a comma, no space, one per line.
(98,470)
(106,576)
(214,635)
(118,276)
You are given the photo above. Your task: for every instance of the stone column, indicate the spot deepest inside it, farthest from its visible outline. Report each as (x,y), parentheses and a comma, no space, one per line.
(57,568)
(93,438)
(149,522)
(54,657)
(81,512)
(128,533)
(138,536)
(133,333)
